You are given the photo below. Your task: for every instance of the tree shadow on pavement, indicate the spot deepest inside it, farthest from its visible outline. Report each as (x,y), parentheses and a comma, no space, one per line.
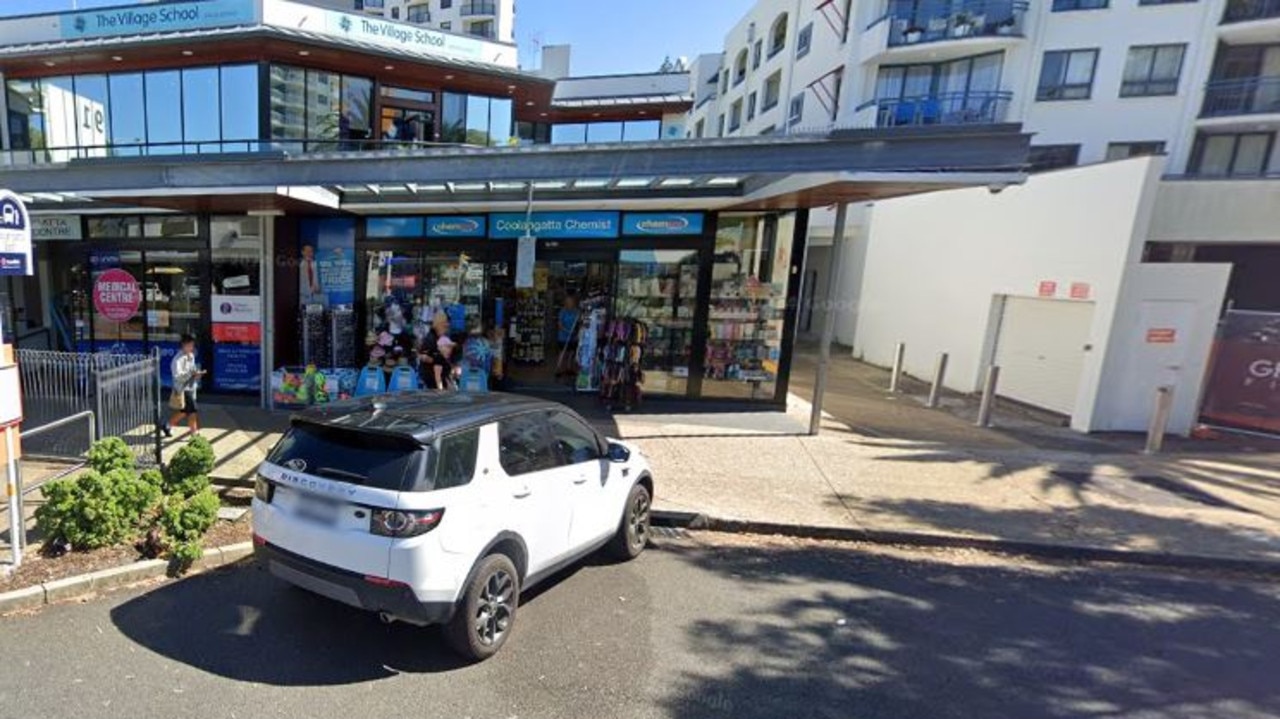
(837,634)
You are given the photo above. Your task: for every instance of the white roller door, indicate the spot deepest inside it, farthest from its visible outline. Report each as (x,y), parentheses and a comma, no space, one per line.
(1040,350)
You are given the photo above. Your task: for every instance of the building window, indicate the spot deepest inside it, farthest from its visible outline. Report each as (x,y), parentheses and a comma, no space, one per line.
(724,82)
(446,25)
(478,120)
(419,14)
(1152,70)
(1232,155)
(1125,150)
(1066,5)
(482,28)
(751,106)
(446,4)
(698,128)
(1052,157)
(720,126)
(1165,2)
(735,115)
(956,92)
(1067,75)
(740,68)
(796,112)
(395,13)
(778,35)
(769,130)
(772,90)
(757,52)
(804,40)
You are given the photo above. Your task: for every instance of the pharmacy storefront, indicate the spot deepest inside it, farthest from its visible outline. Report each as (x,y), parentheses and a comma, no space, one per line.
(698,302)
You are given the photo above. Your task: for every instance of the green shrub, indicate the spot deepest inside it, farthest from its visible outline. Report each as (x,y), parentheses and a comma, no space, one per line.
(111,453)
(183,523)
(95,509)
(153,477)
(188,471)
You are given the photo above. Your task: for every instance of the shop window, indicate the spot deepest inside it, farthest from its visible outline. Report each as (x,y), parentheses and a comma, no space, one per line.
(750,271)
(236,302)
(169,226)
(426,97)
(659,287)
(110,227)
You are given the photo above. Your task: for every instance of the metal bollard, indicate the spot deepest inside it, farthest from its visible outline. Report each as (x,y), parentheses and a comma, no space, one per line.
(939,373)
(895,375)
(988,396)
(1159,419)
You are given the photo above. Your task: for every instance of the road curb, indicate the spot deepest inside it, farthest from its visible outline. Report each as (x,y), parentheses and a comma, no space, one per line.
(58,590)
(1038,550)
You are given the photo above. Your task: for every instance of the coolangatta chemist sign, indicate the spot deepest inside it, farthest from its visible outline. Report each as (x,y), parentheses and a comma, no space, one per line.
(167,17)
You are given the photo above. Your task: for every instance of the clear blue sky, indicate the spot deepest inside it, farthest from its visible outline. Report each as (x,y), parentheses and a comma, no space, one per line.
(607,36)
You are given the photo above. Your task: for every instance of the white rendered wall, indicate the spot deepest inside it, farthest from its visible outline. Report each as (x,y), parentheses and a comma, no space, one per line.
(1205,211)
(935,263)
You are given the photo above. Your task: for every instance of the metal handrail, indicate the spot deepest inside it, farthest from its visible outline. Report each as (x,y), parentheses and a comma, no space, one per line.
(1243,96)
(87,414)
(948,108)
(1246,10)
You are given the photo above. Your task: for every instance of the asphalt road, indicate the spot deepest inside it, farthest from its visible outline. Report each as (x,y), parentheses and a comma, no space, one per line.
(711,626)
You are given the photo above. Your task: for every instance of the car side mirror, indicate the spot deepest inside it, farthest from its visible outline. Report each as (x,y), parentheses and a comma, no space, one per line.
(618,453)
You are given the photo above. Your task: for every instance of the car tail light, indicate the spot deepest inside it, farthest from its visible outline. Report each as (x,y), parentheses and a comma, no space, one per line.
(263,489)
(401,523)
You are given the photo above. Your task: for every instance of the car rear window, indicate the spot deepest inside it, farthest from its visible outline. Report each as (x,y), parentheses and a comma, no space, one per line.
(363,458)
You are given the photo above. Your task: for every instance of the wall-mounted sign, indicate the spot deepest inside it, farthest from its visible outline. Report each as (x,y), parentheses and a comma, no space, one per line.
(116,295)
(457,226)
(1080,290)
(55,227)
(385,33)
(237,308)
(1047,288)
(1161,335)
(15,236)
(168,17)
(662,223)
(554,225)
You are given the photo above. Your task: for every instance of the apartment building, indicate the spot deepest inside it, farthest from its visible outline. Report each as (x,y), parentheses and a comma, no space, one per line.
(489,19)
(1146,258)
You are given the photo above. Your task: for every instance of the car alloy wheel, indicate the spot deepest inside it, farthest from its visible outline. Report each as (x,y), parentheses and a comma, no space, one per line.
(493,610)
(638,519)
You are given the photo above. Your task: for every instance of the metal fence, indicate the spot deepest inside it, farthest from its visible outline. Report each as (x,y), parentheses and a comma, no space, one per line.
(122,391)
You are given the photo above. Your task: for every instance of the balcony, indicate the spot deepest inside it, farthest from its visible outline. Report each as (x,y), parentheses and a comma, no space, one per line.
(478,7)
(941,31)
(1250,96)
(957,108)
(1250,10)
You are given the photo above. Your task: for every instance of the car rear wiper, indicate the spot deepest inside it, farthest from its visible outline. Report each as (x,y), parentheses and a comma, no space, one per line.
(340,474)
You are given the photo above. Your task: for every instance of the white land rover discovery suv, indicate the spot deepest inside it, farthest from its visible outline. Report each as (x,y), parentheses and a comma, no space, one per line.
(442,507)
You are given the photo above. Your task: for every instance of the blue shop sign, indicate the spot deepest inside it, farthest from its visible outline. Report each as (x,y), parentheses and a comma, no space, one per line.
(166,17)
(237,367)
(457,226)
(662,223)
(555,225)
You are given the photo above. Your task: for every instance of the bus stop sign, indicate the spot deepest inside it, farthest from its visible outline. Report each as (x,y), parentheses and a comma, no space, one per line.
(15,236)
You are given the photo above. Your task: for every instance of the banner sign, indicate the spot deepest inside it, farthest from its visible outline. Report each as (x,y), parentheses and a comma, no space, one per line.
(554,225)
(526,258)
(662,223)
(1243,388)
(237,308)
(15,236)
(116,295)
(456,226)
(237,367)
(55,227)
(326,262)
(167,17)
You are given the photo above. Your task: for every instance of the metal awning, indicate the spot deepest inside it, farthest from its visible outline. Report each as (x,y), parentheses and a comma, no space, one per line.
(773,172)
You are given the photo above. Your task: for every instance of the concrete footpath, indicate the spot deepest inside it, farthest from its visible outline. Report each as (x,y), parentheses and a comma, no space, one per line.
(885,464)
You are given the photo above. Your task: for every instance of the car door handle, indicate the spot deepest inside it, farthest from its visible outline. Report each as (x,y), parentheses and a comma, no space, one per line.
(521,491)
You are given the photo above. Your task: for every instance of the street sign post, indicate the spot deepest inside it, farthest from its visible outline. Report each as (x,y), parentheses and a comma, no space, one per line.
(15,259)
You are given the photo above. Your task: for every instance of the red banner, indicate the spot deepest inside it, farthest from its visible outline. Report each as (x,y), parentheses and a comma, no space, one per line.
(1243,389)
(247,332)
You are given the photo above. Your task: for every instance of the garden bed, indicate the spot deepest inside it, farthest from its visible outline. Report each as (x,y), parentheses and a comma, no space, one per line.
(37,568)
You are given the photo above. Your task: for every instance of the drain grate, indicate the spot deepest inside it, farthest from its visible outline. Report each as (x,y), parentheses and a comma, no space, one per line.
(669,532)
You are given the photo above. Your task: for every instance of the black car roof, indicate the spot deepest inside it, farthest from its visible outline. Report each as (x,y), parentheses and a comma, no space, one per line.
(421,415)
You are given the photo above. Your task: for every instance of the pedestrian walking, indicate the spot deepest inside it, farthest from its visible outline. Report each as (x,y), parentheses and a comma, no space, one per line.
(186,382)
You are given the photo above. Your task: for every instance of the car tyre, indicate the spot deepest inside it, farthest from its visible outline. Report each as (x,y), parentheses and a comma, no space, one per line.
(487,611)
(633,529)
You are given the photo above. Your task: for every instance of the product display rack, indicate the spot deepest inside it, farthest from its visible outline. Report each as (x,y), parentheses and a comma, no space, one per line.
(622,353)
(528,328)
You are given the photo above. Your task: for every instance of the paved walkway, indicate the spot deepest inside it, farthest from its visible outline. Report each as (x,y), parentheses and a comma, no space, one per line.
(885,462)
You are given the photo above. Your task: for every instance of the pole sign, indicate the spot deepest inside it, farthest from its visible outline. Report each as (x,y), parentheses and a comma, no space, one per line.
(15,236)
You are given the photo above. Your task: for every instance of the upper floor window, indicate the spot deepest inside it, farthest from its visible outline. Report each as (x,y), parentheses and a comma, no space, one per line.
(796,113)
(735,115)
(740,68)
(804,40)
(1065,5)
(1052,157)
(1067,75)
(720,126)
(446,25)
(724,82)
(1152,70)
(751,106)
(419,14)
(1165,2)
(395,13)
(1232,154)
(772,90)
(778,35)
(757,51)
(446,4)
(1124,150)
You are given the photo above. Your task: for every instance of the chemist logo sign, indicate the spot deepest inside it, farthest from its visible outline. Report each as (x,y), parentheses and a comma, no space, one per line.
(15,236)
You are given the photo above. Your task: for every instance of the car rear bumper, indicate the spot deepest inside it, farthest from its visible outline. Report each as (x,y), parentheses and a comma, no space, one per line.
(350,588)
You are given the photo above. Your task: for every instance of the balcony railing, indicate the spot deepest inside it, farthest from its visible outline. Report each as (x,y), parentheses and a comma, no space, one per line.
(1248,96)
(418,14)
(1246,10)
(481,7)
(911,24)
(956,108)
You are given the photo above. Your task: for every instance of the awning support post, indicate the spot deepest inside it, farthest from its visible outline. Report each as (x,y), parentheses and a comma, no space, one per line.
(828,318)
